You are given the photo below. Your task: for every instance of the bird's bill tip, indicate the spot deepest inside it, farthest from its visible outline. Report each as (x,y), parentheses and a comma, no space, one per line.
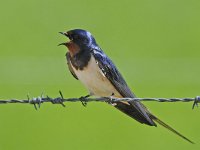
(63,33)
(62,44)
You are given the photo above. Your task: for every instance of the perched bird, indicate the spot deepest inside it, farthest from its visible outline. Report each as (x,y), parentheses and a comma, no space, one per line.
(88,63)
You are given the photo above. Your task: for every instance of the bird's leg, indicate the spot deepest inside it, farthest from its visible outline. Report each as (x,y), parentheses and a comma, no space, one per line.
(83,99)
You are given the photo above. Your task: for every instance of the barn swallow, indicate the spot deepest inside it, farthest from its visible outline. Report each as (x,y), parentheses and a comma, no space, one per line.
(88,63)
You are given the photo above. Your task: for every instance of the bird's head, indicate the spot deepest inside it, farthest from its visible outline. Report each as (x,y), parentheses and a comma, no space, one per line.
(79,39)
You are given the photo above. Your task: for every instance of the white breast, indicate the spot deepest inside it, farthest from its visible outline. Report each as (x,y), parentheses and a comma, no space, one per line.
(95,81)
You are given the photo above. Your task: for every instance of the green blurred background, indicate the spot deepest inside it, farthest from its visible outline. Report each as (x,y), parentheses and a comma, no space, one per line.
(155,45)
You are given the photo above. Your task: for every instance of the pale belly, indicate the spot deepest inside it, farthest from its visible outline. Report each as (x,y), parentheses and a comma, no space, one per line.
(94,80)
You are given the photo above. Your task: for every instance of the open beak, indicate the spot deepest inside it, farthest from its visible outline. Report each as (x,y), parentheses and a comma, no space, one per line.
(65,34)
(63,44)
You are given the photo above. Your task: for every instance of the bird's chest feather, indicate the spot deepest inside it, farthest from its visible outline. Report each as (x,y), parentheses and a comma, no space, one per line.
(94,79)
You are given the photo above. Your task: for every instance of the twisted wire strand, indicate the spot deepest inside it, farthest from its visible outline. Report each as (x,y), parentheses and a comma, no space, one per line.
(37,101)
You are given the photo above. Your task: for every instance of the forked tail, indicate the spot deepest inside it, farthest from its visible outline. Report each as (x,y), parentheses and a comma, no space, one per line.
(138,111)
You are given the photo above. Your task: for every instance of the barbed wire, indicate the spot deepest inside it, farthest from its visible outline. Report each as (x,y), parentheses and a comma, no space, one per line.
(37,101)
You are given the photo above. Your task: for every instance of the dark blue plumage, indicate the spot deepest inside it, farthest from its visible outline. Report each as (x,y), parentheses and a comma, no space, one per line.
(135,109)
(89,64)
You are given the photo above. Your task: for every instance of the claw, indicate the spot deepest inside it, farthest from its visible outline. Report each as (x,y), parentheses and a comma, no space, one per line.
(110,100)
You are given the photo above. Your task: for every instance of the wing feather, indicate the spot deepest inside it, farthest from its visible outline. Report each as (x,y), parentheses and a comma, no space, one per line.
(134,109)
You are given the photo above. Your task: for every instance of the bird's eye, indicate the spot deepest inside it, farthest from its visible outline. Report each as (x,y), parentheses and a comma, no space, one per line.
(76,37)
(85,40)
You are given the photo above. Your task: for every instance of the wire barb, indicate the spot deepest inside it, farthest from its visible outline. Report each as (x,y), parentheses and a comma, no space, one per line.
(61,102)
(83,100)
(196,101)
(37,101)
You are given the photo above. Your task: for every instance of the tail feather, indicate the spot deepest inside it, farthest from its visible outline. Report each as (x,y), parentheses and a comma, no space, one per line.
(169,128)
(134,111)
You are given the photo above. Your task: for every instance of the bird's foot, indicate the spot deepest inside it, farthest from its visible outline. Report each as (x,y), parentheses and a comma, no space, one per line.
(111,97)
